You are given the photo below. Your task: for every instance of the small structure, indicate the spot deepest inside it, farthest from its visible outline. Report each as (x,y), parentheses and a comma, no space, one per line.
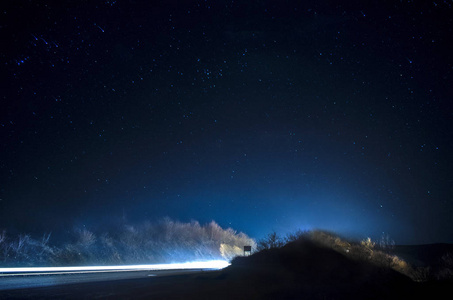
(247,250)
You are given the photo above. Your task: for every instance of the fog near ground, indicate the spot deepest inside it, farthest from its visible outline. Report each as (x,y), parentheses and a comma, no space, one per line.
(164,241)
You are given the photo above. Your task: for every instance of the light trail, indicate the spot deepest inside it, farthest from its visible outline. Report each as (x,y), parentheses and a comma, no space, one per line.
(212,265)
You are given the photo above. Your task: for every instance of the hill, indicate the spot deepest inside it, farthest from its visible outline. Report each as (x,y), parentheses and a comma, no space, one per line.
(307,270)
(301,269)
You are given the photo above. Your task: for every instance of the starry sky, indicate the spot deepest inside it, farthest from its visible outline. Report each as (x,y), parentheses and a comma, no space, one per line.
(261,115)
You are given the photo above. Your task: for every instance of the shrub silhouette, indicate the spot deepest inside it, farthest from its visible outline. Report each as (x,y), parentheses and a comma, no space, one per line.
(272,240)
(294,236)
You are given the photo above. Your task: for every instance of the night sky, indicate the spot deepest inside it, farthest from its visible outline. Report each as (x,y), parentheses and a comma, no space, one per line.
(260,115)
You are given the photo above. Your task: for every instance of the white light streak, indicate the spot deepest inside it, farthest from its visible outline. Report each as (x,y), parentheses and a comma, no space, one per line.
(212,264)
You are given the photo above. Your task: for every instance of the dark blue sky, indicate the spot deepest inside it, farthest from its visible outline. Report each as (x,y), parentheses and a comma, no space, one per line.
(260,115)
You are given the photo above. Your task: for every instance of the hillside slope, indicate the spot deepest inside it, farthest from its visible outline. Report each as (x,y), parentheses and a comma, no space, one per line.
(423,255)
(302,269)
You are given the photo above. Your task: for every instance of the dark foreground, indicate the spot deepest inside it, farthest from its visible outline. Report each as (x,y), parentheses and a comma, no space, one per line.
(300,270)
(27,281)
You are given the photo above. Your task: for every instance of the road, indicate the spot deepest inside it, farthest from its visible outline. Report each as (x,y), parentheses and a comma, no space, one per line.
(26,282)
(23,281)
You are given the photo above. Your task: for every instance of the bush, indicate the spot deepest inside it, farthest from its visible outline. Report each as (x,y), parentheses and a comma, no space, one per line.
(295,236)
(165,241)
(272,240)
(24,250)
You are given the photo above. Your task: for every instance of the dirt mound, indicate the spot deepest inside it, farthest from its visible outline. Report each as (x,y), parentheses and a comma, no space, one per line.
(303,268)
